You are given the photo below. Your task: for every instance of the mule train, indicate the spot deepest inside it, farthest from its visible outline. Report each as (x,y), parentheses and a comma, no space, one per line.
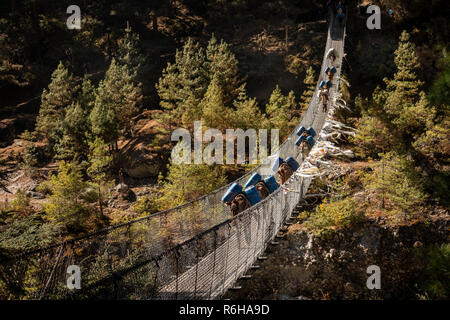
(257,188)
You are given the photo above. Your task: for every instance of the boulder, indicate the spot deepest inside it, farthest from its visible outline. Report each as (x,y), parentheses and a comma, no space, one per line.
(139,157)
(35,195)
(124,192)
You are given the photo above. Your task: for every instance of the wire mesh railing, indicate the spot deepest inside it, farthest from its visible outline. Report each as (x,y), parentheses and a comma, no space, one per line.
(194,251)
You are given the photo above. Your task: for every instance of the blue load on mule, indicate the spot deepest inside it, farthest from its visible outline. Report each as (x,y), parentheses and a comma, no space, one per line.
(265,187)
(232,192)
(332,70)
(252,195)
(239,200)
(271,183)
(308,139)
(285,169)
(292,163)
(322,84)
(277,163)
(305,135)
(289,161)
(310,131)
(253,180)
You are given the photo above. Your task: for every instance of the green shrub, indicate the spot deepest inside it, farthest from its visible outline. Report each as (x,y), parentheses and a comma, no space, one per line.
(27,234)
(434,282)
(64,205)
(20,280)
(30,158)
(186,182)
(331,216)
(145,205)
(372,137)
(27,135)
(21,201)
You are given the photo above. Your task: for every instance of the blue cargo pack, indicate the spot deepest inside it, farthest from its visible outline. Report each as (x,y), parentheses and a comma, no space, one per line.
(254,179)
(310,140)
(329,84)
(311,131)
(321,84)
(252,195)
(276,164)
(271,183)
(292,163)
(300,140)
(333,70)
(232,192)
(301,130)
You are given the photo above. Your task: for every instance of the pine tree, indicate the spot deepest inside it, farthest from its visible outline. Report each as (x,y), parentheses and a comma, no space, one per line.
(129,53)
(64,205)
(214,112)
(183,85)
(405,108)
(104,123)
(75,129)
(10,73)
(99,164)
(433,149)
(74,134)
(280,110)
(308,92)
(86,97)
(223,65)
(54,101)
(248,114)
(396,185)
(440,91)
(118,100)
(372,137)
(14,69)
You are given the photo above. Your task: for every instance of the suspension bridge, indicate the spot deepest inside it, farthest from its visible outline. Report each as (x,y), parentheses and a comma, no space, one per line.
(193,251)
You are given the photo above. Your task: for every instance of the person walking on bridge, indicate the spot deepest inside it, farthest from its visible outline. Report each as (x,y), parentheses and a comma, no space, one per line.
(340,13)
(332,55)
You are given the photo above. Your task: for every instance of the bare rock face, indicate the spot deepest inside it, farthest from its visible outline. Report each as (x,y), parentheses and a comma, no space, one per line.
(337,267)
(142,167)
(122,188)
(340,264)
(124,192)
(138,155)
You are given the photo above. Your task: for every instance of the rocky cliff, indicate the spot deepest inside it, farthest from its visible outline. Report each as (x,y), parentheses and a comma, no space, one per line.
(306,267)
